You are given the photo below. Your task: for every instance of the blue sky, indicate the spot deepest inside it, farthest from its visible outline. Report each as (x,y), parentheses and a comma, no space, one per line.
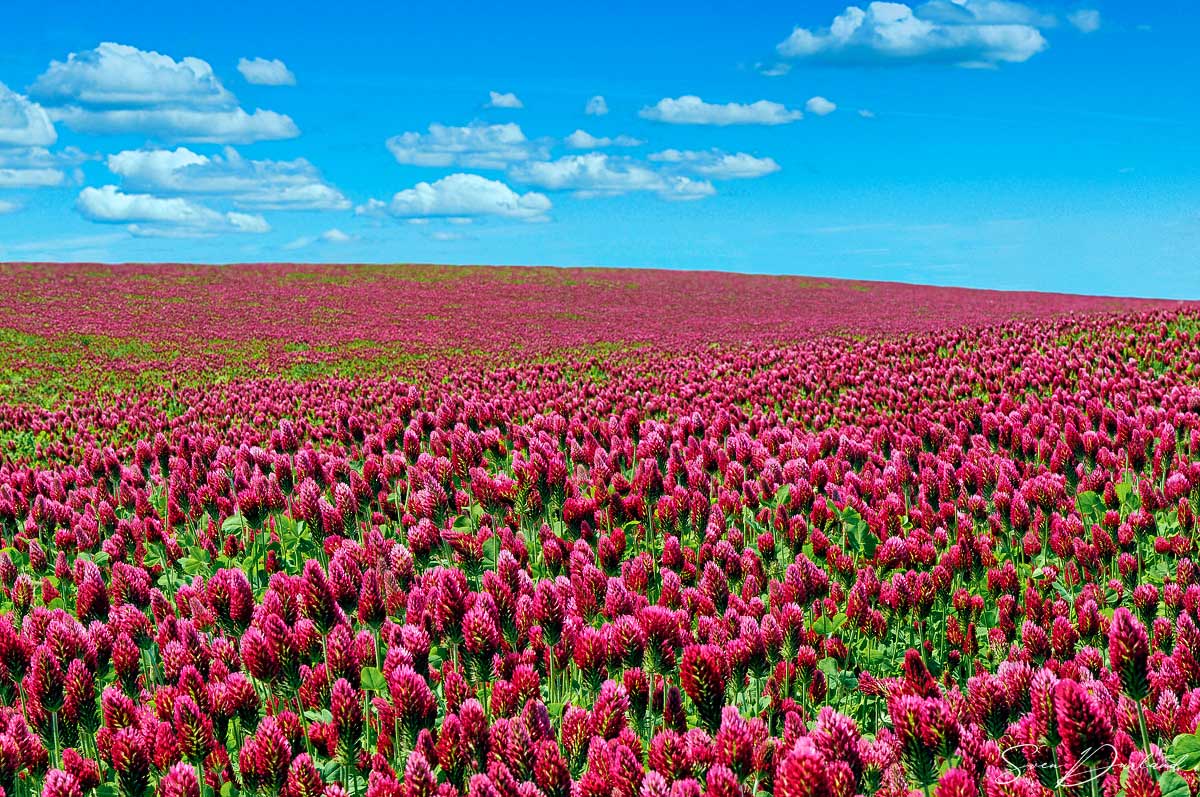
(981,143)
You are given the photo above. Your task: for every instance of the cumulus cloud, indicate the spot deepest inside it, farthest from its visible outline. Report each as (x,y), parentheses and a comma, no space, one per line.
(119,75)
(149,215)
(23,123)
(598,174)
(691,110)
(116,88)
(820,106)
(262,72)
(201,127)
(25,133)
(508,100)
(35,167)
(1085,20)
(475,146)
(463,196)
(264,184)
(581,139)
(718,165)
(332,236)
(966,32)
(596,106)
(372,207)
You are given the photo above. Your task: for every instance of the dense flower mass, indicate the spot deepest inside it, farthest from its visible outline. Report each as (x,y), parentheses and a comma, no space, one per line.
(436,533)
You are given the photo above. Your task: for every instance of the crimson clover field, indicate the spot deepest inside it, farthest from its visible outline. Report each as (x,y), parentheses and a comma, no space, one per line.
(426,531)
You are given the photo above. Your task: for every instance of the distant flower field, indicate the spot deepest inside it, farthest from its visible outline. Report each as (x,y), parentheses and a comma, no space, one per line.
(447,532)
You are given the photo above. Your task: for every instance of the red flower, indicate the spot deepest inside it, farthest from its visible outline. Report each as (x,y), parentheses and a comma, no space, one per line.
(704,675)
(802,772)
(180,781)
(61,784)
(1085,727)
(1129,652)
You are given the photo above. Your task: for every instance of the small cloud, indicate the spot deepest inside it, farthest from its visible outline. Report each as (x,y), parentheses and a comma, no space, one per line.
(333,236)
(596,106)
(718,165)
(262,72)
(233,126)
(598,174)
(773,70)
(372,207)
(23,123)
(691,110)
(275,185)
(149,215)
(446,235)
(964,32)
(8,207)
(820,106)
(475,146)
(581,139)
(1085,20)
(498,100)
(36,167)
(866,113)
(466,196)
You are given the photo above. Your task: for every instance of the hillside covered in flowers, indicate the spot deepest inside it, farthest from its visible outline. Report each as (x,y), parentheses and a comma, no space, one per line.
(467,532)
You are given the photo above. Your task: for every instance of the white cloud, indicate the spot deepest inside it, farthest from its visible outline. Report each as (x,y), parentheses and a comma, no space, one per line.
(116,88)
(774,70)
(262,72)
(820,106)
(333,236)
(25,132)
(155,216)
(8,207)
(498,100)
(23,123)
(119,75)
(475,146)
(598,174)
(581,139)
(984,12)
(30,178)
(866,113)
(1085,20)
(691,110)
(34,167)
(372,207)
(718,165)
(464,196)
(684,189)
(596,106)
(966,32)
(281,185)
(202,127)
